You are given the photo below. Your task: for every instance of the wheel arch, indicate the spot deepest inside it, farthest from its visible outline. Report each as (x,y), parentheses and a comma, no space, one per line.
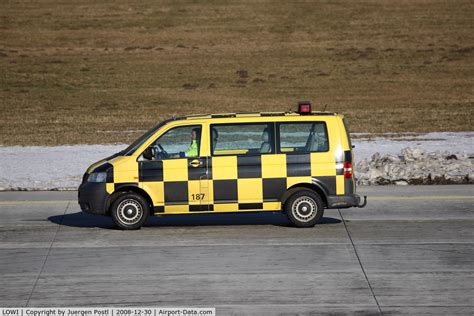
(301,186)
(122,189)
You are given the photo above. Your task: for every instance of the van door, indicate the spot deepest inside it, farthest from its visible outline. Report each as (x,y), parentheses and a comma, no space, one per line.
(236,163)
(176,174)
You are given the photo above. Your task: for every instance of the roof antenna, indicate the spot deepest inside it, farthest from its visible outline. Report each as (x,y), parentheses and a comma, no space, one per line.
(325,106)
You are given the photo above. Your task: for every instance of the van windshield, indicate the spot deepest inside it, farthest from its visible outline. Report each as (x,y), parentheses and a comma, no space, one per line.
(137,143)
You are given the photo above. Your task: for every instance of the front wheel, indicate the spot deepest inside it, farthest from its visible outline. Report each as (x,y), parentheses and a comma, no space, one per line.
(304,208)
(130,211)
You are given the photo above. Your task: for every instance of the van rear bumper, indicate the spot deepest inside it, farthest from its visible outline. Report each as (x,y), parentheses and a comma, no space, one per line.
(92,198)
(345,201)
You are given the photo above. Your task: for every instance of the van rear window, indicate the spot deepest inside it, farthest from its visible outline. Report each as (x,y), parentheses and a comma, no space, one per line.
(302,137)
(348,134)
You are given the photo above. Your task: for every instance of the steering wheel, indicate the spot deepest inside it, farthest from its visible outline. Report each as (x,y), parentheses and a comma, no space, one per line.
(162,154)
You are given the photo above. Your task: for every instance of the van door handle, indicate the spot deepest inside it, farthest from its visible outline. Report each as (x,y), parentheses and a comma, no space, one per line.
(195,163)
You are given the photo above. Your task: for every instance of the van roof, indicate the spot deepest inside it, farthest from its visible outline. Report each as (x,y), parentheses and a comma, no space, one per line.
(248,115)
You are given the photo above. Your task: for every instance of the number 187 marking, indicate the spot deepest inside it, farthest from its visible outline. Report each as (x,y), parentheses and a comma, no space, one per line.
(199,196)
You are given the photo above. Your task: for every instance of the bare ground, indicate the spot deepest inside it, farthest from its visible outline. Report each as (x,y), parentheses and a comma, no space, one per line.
(93,72)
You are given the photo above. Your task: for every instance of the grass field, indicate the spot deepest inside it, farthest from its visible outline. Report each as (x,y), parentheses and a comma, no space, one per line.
(101,71)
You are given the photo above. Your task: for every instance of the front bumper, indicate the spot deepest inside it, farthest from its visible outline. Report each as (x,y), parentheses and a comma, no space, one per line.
(345,201)
(93,198)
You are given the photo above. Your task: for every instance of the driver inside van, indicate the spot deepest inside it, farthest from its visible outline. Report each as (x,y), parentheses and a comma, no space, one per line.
(158,153)
(193,149)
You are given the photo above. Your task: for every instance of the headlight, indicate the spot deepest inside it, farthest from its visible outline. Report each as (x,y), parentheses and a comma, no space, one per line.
(97,177)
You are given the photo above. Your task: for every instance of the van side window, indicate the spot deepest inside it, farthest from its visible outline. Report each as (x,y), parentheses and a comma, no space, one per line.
(178,142)
(242,139)
(303,137)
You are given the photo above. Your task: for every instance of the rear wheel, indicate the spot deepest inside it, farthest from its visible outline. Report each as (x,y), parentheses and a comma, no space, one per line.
(304,208)
(130,211)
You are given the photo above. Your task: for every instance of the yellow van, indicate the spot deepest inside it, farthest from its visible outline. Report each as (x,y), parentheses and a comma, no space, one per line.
(296,162)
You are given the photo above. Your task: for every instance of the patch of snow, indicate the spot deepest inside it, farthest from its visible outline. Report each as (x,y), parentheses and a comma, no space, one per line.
(48,168)
(62,167)
(453,142)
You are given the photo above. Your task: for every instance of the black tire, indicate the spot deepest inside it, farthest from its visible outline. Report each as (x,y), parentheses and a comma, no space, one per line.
(130,211)
(304,208)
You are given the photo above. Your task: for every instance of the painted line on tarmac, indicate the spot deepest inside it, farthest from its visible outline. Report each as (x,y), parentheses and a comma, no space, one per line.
(140,243)
(428,197)
(37,202)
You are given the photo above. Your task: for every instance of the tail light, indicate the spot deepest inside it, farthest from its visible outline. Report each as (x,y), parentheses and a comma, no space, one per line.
(348,170)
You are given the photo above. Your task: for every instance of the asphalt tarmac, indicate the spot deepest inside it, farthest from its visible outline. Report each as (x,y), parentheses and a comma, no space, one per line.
(410,251)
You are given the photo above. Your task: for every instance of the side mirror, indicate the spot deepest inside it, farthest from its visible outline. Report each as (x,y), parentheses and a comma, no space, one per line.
(148,154)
